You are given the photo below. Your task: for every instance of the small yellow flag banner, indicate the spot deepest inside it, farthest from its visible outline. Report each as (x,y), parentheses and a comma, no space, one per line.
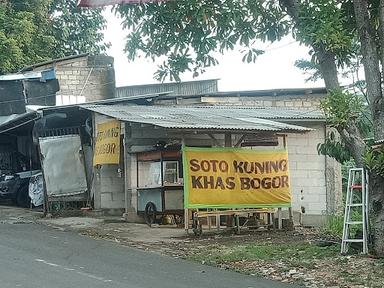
(107,145)
(235,178)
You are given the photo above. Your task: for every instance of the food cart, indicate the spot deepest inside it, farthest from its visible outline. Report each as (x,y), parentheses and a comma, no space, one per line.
(160,185)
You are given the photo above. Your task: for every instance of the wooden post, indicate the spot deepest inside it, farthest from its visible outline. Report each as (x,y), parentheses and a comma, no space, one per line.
(290,213)
(228,143)
(237,218)
(45,203)
(186,211)
(279,219)
(228,140)
(125,165)
(217,221)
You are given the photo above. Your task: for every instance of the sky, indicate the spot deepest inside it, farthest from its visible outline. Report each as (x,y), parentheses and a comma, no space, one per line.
(273,70)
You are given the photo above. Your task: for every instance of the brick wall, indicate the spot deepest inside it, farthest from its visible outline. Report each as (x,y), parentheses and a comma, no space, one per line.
(108,185)
(83,79)
(291,101)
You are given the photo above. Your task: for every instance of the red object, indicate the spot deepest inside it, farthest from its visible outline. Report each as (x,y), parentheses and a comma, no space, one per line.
(100,3)
(357,186)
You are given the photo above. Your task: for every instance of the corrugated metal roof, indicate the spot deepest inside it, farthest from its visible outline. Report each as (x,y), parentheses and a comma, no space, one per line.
(31,67)
(44,75)
(16,120)
(125,100)
(199,118)
(5,119)
(178,89)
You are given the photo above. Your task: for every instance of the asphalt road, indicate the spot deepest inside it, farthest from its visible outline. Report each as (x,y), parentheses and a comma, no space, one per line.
(33,255)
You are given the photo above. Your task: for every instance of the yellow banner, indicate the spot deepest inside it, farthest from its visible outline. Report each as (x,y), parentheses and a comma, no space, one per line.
(107,145)
(235,178)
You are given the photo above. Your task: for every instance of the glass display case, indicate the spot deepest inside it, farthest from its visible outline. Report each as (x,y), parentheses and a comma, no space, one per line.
(160,184)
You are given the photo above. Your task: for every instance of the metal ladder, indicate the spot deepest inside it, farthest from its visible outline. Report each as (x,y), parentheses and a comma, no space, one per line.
(357,185)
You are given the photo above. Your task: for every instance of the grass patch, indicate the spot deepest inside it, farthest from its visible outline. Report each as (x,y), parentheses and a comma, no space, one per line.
(296,254)
(334,226)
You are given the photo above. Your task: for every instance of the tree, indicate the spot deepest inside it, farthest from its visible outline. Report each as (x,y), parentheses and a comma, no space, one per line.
(38,30)
(76,30)
(188,32)
(24,33)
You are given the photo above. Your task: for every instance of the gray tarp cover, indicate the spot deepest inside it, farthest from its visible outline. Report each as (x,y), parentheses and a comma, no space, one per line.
(63,165)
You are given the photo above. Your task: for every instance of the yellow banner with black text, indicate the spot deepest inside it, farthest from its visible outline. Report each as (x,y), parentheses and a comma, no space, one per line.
(107,143)
(235,178)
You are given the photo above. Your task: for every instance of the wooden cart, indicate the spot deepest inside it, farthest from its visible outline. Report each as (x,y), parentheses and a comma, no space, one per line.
(250,217)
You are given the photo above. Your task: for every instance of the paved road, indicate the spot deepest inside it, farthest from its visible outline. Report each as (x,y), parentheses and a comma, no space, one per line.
(34,255)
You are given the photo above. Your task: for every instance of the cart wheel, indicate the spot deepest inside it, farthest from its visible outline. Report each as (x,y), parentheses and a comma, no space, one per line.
(197,227)
(179,220)
(150,213)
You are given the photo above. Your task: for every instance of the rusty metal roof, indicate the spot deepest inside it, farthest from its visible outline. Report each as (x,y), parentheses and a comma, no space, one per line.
(195,118)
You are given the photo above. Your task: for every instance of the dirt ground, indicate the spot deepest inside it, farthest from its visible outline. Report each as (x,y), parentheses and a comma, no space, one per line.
(287,256)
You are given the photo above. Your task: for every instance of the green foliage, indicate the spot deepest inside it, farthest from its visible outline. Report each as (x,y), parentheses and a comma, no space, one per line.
(296,254)
(325,23)
(334,226)
(189,32)
(24,35)
(340,107)
(374,160)
(76,30)
(310,67)
(334,148)
(37,30)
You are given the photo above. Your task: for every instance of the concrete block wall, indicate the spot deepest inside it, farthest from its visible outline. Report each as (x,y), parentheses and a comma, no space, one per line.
(108,184)
(83,79)
(290,101)
(111,187)
(307,170)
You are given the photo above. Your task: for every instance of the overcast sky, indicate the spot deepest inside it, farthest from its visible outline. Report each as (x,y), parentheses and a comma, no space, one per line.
(275,69)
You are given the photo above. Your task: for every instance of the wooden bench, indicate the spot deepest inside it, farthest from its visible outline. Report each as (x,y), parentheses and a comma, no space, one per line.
(248,214)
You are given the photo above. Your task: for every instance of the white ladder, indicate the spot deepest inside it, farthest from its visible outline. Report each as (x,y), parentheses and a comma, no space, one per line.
(357,183)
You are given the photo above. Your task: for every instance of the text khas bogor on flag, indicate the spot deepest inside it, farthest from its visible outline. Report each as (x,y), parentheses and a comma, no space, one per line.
(100,3)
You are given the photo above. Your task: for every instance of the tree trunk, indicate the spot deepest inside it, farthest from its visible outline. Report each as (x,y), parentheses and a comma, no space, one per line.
(371,62)
(328,67)
(350,134)
(326,58)
(376,209)
(371,65)
(354,141)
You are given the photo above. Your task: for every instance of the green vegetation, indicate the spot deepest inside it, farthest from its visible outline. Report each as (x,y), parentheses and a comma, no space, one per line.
(38,30)
(296,254)
(334,226)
